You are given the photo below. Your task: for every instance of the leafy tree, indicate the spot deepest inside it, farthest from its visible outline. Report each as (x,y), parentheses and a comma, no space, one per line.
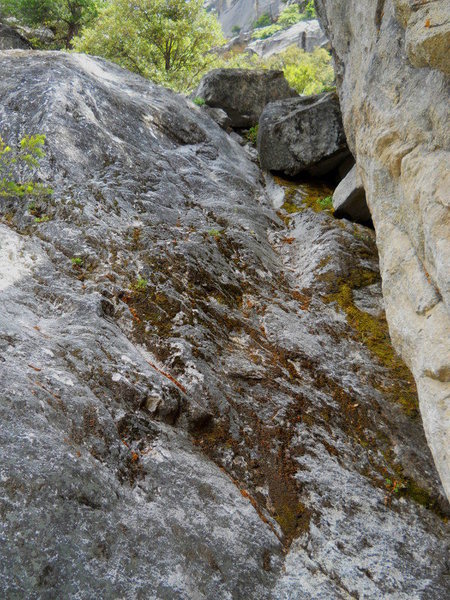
(64,17)
(168,41)
(18,166)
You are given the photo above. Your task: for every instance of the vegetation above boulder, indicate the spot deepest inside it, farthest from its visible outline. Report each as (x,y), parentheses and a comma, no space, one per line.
(292,14)
(64,17)
(167,42)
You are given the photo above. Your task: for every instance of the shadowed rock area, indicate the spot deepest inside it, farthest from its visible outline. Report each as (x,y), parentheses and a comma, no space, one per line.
(303,134)
(392,72)
(243,93)
(206,404)
(11,39)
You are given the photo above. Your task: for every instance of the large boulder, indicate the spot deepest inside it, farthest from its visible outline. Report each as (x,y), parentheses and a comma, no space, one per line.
(198,398)
(349,199)
(243,93)
(392,71)
(302,135)
(11,39)
(307,35)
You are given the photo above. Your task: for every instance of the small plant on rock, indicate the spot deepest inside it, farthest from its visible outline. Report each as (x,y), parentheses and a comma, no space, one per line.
(43,219)
(18,168)
(140,285)
(199,101)
(326,203)
(76,261)
(252,135)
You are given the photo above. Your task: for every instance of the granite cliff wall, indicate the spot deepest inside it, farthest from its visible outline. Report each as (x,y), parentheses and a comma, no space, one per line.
(392,73)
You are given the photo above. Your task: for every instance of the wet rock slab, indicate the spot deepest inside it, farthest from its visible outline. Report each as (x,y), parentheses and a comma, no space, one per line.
(206,404)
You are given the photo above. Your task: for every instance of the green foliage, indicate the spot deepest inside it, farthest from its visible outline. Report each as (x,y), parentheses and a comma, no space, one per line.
(290,15)
(235,30)
(168,41)
(18,167)
(64,17)
(263,21)
(140,285)
(252,135)
(199,101)
(76,261)
(42,219)
(265,32)
(310,10)
(307,72)
(216,233)
(326,203)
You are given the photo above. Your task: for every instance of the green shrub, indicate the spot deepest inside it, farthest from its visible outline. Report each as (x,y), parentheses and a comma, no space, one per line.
(18,167)
(235,30)
(199,101)
(264,20)
(310,10)
(252,135)
(265,32)
(326,203)
(290,15)
(307,72)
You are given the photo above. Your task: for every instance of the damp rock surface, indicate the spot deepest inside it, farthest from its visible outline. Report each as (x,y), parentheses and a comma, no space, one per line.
(392,63)
(199,398)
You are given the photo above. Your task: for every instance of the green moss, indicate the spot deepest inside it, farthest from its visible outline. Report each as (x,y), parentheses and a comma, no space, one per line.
(420,495)
(291,208)
(299,195)
(374,333)
(292,519)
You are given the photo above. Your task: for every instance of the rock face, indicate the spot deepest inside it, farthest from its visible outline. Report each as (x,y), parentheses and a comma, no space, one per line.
(242,13)
(206,403)
(243,93)
(396,118)
(349,199)
(10,39)
(307,35)
(301,135)
(219,116)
